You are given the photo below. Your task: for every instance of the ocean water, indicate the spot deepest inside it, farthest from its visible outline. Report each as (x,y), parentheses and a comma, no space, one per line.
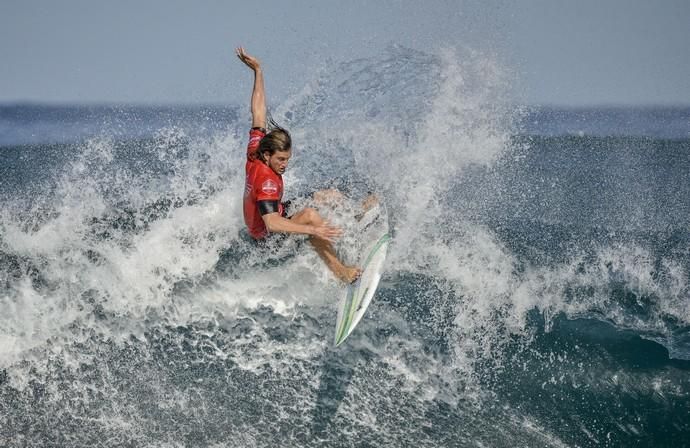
(536,290)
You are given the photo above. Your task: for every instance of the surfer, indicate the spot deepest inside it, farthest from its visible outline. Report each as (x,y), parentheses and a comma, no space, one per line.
(268,153)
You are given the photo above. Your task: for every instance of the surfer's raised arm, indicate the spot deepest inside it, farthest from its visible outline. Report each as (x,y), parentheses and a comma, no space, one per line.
(258,92)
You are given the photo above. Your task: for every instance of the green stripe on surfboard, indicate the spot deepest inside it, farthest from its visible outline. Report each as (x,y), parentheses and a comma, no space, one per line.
(351,307)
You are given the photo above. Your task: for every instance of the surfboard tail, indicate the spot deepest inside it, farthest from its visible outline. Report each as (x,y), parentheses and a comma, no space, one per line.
(360,294)
(345,315)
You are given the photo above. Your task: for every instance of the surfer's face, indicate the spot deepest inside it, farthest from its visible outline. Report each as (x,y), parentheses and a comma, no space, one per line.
(278,162)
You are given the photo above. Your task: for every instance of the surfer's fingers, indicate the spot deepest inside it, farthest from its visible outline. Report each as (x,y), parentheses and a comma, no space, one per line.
(335,231)
(250,61)
(327,223)
(329,233)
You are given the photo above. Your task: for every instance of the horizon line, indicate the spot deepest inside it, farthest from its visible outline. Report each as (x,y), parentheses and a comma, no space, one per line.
(85,104)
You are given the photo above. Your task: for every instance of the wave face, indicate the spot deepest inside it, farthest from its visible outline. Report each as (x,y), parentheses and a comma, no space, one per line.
(536,290)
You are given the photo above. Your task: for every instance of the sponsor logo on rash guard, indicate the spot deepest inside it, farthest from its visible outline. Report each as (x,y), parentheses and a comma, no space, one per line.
(269,187)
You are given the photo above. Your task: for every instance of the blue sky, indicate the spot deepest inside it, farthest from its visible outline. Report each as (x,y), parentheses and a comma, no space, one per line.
(575,53)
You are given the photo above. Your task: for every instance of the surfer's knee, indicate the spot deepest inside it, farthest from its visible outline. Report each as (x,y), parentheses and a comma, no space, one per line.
(330,196)
(312,216)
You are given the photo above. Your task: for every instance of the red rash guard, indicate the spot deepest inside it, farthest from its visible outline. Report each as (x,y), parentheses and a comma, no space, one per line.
(261,184)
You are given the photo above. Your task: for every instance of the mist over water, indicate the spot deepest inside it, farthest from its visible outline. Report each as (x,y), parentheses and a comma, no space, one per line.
(536,289)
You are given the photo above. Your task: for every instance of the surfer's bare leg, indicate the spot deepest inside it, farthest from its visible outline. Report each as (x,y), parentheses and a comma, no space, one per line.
(334,198)
(324,248)
(330,198)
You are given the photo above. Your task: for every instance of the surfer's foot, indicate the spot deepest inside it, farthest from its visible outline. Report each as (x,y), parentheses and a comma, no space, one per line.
(349,274)
(369,202)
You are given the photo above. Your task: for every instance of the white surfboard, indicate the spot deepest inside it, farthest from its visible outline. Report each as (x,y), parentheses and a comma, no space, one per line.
(353,305)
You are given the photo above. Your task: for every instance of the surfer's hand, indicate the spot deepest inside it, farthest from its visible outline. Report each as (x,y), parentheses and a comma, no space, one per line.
(327,232)
(249,61)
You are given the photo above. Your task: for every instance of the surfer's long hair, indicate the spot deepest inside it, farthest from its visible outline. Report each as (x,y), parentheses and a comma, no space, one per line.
(277,139)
